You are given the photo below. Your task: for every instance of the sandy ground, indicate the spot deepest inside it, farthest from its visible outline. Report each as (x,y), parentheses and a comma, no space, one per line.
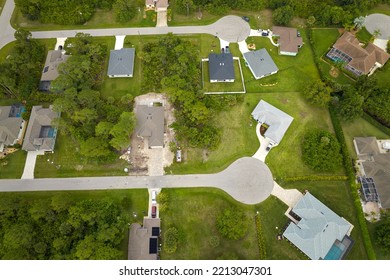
(145,161)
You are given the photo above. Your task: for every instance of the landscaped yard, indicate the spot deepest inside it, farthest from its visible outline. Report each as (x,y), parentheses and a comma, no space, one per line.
(336,195)
(101,19)
(193,213)
(11,167)
(380,253)
(360,128)
(65,162)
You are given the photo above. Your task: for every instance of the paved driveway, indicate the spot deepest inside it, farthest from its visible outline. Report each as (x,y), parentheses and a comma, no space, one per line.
(379,22)
(6,30)
(247,180)
(161,18)
(29,167)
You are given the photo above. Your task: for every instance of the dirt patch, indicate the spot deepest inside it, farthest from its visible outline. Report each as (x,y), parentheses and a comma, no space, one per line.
(251,46)
(284,100)
(145,161)
(303,114)
(334,72)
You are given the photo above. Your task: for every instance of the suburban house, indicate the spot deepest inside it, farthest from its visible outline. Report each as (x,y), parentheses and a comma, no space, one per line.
(40,134)
(260,63)
(374,169)
(143,240)
(150,125)
(221,68)
(275,121)
(317,231)
(289,40)
(11,125)
(121,63)
(157,4)
(50,71)
(358,60)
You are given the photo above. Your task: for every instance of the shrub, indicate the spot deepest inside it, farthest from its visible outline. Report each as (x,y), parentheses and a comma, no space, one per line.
(170,240)
(260,238)
(232,223)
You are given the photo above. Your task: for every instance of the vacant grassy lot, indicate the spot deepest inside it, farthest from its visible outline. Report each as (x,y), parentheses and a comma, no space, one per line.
(380,9)
(360,128)
(193,212)
(66,162)
(236,86)
(336,195)
(294,72)
(100,19)
(13,165)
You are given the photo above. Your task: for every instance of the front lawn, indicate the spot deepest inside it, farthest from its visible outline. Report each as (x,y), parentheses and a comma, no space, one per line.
(11,167)
(193,212)
(380,253)
(336,195)
(294,72)
(66,162)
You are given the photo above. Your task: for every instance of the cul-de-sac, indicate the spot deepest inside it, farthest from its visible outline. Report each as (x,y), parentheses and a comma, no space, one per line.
(194,130)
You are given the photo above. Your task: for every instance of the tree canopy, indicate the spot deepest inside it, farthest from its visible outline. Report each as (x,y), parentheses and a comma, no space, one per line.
(232,223)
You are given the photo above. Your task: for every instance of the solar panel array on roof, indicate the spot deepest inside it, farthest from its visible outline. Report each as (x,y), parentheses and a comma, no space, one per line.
(155,231)
(152,245)
(369,189)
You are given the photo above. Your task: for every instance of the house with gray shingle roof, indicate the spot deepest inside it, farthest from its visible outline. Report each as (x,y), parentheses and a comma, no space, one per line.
(50,71)
(121,63)
(150,124)
(221,68)
(277,121)
(260,63)
(11,125)
(143,240)
(317,231)
(40,134)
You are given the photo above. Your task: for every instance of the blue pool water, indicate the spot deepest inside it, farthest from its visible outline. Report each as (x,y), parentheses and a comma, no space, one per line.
(50,133)
(335,252)
(22,110)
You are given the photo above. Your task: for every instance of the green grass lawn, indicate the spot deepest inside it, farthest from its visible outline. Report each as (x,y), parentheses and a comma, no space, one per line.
(294,72)
(382,75)
(193,213)
(336,195)
(7,49)
(2,3)
(236,86)
(363,35)
(380,9)
(100,19)
(68,163)
(380,253)
(14,165)
(360,128)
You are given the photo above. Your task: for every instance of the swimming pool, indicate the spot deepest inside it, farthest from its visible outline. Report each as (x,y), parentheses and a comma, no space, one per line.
(335,252)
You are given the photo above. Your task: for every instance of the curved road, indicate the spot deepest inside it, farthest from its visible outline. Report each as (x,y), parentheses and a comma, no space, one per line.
(379,22)
(229,28)
(247,180)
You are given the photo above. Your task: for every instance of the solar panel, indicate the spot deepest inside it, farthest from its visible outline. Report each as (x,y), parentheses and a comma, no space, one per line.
(152,245)
(155,231)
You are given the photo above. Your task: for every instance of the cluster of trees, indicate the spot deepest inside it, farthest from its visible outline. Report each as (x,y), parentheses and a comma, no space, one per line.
(321,151)
(99,125)
(21,71)
(76,11)
(60,227)
(382,235)
(171,65)
(217,6)
(232,223)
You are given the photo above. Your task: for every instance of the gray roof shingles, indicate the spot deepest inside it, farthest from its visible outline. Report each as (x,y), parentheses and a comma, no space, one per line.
(221,66)
(9,126)
(121,62)
(150,124)
(260,63)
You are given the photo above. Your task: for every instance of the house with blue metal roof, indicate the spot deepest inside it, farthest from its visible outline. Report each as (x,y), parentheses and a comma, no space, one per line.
(317,231)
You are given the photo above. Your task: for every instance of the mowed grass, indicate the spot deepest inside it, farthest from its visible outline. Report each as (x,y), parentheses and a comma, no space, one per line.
(193,212)
(360,128)
(66,162)
(7,49)
(285,160)
(13,169)
(380,9)
(336,195)
(100,19)
(363,35)
(133,201)
(381,254)
(323,40)
(295,72)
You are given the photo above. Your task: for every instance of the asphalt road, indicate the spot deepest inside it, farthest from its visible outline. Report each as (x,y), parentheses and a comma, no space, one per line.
(6,30)
(379,22)
(247,180)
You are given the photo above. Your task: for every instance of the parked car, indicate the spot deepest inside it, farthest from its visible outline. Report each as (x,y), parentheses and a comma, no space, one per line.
(245,18)
(178,155)
(269,146)
(154,196)
(154,211)
(298,34)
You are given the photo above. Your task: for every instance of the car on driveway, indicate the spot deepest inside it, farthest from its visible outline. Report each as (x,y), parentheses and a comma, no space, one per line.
(154,195)
(154,211)
(178,155)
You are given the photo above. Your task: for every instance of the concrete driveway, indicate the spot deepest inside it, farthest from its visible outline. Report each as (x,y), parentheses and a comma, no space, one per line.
(248,180)
(29,167)
(161,18)
(379,22)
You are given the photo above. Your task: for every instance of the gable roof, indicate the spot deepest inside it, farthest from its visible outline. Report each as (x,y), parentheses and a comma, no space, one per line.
(142,240)
(121,62)
(289,40)
(361,59)
(50,71)
(150,123)
(36,137)
(221,66)
(260,63)
(318,227)
(277,120)
(9,125)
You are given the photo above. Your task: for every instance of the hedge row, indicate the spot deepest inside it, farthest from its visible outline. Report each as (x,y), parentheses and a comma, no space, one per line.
(316,178)
(260,238)
(375,123)
(352,183)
